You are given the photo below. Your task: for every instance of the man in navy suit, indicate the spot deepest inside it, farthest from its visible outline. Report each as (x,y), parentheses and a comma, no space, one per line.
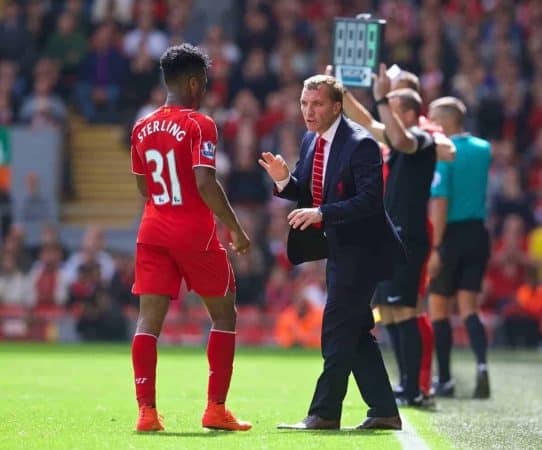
(337,184)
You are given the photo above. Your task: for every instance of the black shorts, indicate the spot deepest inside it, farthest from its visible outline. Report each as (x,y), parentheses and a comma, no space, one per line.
(402,289)
(464,254)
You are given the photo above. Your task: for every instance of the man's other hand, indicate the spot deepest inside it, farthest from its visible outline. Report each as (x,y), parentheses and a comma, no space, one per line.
(275,166)
(240,243)
(304,217)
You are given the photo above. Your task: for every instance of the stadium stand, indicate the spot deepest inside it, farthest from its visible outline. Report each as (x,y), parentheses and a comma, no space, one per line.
(75,74)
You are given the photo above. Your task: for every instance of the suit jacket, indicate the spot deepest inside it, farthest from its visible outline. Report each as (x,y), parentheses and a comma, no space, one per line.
(356,227)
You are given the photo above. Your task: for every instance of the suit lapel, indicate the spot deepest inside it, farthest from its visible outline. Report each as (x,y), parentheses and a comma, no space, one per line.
(309,159)
(334,155)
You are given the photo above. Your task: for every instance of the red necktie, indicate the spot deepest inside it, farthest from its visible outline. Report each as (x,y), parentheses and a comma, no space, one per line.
(318,172)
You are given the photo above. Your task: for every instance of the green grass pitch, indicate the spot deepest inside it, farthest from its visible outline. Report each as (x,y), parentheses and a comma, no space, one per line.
(82,397)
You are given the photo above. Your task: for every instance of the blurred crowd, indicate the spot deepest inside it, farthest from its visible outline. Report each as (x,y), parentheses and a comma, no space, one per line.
(99,59)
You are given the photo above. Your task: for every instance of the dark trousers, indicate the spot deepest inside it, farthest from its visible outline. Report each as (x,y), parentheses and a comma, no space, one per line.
(349,347)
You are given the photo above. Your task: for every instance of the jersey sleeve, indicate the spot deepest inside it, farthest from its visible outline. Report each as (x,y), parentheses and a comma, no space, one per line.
(138,168)
(440,187)
(204,141)
(424,139)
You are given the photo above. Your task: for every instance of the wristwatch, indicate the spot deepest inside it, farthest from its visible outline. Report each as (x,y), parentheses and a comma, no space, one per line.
(382,101)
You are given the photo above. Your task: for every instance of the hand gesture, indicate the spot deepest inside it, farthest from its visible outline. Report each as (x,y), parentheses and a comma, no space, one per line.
(240,243)
(275,166)
(381,83)
(304,217)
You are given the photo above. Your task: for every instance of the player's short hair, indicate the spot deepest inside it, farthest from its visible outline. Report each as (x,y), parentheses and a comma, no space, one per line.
(183,61)
(409,99)
(409,80)
(334,88)
(451,105)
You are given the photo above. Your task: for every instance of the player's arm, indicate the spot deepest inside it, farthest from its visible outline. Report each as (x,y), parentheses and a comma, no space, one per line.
(445,147)
(438,213)
(141,185)
(213,195)
(397,135)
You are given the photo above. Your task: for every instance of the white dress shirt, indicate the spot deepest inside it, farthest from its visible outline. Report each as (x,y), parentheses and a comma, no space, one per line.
(328,135)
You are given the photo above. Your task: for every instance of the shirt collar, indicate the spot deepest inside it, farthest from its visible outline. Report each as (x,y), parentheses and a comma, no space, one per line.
(329,134)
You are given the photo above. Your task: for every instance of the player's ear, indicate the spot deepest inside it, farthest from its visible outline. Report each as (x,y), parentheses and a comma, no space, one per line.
(337,107)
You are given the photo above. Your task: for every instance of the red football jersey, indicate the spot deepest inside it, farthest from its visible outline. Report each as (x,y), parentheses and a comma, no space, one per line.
(166,145)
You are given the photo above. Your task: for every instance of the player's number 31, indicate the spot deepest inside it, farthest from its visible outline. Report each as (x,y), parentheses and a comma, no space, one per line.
(163,198)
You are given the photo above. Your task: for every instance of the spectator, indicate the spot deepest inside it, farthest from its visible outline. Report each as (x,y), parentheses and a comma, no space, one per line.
(36,209)
(44,108)
(15,41)
(300,324)
(97,320)
(120,289)
(112,11)
(512,199)
(68,46)
(247,184)
(145,38)
(102,74)
(13,284)
(48,285)
(507,266)
(92,251)
(523,318)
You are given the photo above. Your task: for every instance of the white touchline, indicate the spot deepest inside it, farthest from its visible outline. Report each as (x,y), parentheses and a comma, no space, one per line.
(409,439)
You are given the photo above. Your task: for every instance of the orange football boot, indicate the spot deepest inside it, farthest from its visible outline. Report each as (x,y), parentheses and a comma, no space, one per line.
(149,419)
(217,417)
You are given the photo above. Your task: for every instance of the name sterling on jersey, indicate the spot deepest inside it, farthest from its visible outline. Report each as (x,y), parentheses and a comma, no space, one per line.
(162,125)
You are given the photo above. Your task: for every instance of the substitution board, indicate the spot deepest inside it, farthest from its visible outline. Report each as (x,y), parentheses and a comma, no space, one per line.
(357,45)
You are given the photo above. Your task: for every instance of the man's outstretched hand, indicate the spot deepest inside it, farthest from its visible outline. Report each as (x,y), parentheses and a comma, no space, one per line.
(275,166)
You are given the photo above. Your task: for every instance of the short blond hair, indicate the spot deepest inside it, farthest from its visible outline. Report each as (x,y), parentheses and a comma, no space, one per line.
(451,105)
(334,88)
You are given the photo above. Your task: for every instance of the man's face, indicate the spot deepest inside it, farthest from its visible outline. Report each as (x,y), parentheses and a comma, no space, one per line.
(318,109)
(408,118)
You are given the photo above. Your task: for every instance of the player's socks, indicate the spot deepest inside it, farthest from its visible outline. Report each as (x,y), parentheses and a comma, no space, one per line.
(220,352)
(393,334)
(411,350)
(144,362)
(443,347)
(427,336)
(478,339)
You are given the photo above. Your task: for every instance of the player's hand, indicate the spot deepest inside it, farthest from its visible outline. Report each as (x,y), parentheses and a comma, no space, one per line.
(381,83)
(275,166)
(304,218)
(434,263)
(240,243)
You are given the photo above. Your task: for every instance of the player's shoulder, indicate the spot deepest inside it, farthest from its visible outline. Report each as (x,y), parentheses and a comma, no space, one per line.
(202,119)
(479,142)
(145,118)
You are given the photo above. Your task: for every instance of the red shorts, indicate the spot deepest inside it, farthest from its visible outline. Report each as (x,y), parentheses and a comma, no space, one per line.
(159,270)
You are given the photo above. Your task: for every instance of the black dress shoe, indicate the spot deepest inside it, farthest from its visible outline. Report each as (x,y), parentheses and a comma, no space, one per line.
(381,423)
(312,422)
(482,390)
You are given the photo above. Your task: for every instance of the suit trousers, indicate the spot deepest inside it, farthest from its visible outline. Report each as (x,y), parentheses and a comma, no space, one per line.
(348,346)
